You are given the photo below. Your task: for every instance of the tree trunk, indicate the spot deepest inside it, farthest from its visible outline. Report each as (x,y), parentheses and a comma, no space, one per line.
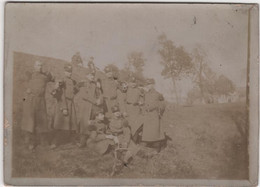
(175,90)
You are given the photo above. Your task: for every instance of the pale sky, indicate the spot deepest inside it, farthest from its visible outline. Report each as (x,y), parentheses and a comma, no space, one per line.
(110,32)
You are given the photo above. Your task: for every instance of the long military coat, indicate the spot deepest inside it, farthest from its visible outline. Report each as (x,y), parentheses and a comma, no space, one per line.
(133,97)
(109,87)
(85,101)
(34,117)
(65,100)
(121,100)
(152,126)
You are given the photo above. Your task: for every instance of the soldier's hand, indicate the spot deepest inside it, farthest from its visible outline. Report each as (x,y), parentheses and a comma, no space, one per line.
(65,112)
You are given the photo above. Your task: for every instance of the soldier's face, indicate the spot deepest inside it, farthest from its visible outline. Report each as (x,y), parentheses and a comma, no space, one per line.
(68,74)
(38,67)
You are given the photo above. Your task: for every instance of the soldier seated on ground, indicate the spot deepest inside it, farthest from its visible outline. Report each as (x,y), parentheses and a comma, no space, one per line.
(98,140)
(120,132)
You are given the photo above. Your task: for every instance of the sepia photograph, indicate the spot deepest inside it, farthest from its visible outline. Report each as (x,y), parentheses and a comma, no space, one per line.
(131,94)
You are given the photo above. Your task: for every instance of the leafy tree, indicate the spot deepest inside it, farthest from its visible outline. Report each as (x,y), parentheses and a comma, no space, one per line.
(224,86)
(203,76)
(175,60)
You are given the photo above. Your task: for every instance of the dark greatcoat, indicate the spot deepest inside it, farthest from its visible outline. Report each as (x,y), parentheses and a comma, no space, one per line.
(133,97)
(109,87)
(65,100)
(121,100)
(85,101)
(34,117)
(152,126)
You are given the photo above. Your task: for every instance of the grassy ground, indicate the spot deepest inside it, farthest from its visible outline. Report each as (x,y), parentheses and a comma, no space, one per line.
(208,141)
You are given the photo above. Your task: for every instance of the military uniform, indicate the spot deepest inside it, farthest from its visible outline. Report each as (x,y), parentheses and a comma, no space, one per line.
(34,105)
(86,100)
(133,98)
(97,140)
(65,113)
(109,87)
(65,101)
(34,117)
(120,129)
(121,98)
(152,126)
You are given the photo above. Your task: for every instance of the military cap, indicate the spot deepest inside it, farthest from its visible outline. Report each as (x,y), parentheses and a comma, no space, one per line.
(68,67)
(115,109)
(91,58)
(150,81)
(107,69)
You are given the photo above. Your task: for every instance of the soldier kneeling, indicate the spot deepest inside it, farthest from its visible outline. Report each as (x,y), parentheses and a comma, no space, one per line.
(120,132)
(98,140)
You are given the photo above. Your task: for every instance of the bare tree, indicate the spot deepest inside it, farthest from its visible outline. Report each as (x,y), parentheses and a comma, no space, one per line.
(175,60)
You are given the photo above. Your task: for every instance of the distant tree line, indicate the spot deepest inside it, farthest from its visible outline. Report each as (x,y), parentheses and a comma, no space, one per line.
(177,64)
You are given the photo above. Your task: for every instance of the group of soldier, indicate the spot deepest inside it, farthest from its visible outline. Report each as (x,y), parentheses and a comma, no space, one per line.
(100,111)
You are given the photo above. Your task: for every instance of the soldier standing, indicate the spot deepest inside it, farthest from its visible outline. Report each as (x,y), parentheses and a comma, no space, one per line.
(154,107)
(86,100)
(133,98)
(34,121)
(109,87)
(121,98)
(65,115)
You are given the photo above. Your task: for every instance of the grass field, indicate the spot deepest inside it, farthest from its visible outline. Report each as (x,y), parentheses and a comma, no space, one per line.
(208,141)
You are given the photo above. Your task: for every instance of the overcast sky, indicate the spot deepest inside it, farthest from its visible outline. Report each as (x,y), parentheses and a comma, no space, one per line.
(110,32)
